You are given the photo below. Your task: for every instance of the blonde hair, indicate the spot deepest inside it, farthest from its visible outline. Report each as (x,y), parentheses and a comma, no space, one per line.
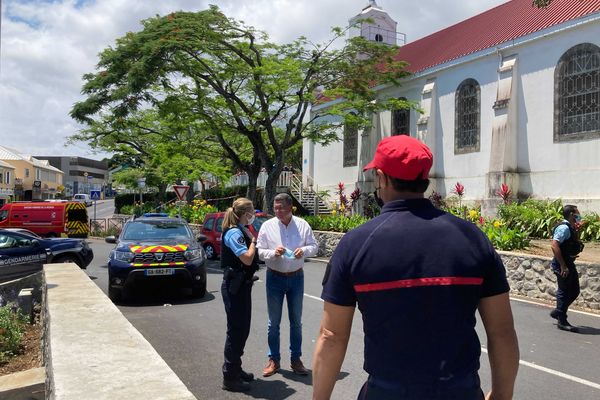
(233,213)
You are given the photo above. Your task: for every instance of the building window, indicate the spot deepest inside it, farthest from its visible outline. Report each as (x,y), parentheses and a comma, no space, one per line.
(26,172)
(401,121)
(350,146)
(2,177)
(7,181)
(38,174)
(466,124)
(577,94)
(378,37)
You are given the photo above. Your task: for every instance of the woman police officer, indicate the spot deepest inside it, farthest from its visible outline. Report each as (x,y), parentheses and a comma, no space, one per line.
(239,260)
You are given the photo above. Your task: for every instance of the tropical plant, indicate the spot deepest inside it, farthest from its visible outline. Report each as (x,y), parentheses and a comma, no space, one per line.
(504,192)
(536,218)
(335,223)
(590,227)
(193,213)
(12,327)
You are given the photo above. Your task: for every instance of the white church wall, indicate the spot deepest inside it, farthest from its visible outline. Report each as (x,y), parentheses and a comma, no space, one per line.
(569,170)
(470,168)
(328,166)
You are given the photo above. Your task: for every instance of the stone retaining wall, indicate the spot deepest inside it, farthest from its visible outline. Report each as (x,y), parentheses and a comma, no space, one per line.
(528,275)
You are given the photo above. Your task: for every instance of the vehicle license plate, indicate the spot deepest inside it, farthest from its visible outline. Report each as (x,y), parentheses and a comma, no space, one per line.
(159,271)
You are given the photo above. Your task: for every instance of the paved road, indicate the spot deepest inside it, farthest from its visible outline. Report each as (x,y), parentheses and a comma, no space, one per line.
(188,334)
(104,209)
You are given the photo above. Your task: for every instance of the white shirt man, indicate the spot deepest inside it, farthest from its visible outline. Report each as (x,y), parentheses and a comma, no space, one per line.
(282,243)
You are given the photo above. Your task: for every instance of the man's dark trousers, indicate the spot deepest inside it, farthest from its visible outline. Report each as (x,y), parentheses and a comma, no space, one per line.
(568,287)
(238,308)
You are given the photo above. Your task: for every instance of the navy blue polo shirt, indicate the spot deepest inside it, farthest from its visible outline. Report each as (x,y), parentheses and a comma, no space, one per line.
(417,274)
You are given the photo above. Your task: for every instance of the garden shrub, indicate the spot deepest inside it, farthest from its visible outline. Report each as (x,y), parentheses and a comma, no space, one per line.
(193,213)
(590,227)
(334,223)
(12,327)
(536,218)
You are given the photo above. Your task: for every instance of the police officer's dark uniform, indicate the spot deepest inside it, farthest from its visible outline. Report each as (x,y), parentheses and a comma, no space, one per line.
(236,290)
(568,286)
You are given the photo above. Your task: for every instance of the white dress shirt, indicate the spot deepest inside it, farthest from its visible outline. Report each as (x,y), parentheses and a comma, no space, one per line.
(297,234)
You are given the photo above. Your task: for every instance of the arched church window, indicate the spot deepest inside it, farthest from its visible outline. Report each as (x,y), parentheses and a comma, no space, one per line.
(350,146)
(401,121)
(577,93)
(378,37)
(467,118)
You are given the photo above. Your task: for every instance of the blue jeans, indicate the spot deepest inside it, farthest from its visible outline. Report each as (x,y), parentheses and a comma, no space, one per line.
(292,288)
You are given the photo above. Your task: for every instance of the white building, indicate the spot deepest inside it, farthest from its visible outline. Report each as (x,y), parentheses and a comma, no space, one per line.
(511,95)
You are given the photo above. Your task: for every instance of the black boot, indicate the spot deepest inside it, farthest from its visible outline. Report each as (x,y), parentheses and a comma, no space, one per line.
(246,376)
(235,385)
(564,325)
(555,314)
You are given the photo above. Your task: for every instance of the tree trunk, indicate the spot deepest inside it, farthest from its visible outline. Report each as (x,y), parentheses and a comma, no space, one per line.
(162,192)
(252,184)
(271,186)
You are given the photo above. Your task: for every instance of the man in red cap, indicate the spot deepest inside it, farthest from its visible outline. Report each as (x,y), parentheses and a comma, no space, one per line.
(418,275)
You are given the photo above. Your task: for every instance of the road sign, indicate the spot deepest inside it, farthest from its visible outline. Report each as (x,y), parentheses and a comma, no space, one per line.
(181,203)
(181,191)
(95,194)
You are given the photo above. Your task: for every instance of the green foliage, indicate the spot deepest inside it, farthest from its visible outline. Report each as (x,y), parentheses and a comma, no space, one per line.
(151,198)
(334,223)
(193,213)
(192,87)
(590,227)
(535,218)
(12,327)
(503,237)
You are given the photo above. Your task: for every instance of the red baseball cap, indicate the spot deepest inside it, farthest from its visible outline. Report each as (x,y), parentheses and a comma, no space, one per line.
(402,157)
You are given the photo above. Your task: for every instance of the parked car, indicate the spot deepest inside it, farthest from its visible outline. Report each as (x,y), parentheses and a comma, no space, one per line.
(83,198)
(156,248)
(23,253)
(211,228)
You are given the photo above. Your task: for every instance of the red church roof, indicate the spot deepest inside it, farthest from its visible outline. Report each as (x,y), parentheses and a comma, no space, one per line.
(498,25)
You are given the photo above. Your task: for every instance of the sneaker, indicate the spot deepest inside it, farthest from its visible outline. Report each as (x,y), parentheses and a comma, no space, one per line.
(566,326)
(271,368)
(298,367)
(235,385)
(555,313)
(246,376)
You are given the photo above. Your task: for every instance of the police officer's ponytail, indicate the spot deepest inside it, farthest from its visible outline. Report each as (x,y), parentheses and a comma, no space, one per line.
(233,213)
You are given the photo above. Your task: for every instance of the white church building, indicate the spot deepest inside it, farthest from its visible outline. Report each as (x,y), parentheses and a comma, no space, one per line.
(511,96)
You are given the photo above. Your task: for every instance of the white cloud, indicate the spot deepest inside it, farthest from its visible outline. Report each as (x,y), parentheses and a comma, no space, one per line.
(47,46)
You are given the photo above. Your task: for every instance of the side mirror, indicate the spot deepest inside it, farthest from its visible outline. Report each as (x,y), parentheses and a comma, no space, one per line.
(35,243)
(110,239)
(201,238)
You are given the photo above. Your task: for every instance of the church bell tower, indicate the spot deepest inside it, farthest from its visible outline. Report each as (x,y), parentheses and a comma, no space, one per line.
(381,28)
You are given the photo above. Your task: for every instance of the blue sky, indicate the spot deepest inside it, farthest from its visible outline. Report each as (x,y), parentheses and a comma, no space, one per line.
(47,46)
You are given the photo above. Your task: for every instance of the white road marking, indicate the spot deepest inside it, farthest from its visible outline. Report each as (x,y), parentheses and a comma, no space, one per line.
(555,372)
(550,306)
(527,363)
(313,297)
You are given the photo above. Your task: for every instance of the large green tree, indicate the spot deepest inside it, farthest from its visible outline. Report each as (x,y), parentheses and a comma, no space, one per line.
(241,85)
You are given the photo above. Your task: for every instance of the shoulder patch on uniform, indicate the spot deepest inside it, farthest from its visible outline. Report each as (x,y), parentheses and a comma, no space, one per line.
(327,271)
(241,240)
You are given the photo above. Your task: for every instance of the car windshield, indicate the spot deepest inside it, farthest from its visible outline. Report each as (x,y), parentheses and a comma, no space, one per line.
(155,230)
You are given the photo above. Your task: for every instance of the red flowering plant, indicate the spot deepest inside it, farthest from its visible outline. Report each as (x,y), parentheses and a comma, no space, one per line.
(344,206)
(459,190)
(505,193)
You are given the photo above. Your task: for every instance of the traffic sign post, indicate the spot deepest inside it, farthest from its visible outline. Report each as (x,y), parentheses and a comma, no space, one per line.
(180,191)
(95,195)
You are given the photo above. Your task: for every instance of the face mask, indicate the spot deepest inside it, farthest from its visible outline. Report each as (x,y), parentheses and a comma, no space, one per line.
(577,218)
(251,219)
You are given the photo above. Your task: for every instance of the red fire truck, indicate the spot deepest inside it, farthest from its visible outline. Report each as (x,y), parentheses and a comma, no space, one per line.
(49,219)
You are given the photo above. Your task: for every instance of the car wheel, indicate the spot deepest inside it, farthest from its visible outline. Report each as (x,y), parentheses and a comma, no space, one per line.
(211,254)
(115,294)
(69,258)
(199,291)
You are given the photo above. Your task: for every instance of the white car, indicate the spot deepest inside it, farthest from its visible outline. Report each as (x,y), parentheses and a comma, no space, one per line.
(83,198)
